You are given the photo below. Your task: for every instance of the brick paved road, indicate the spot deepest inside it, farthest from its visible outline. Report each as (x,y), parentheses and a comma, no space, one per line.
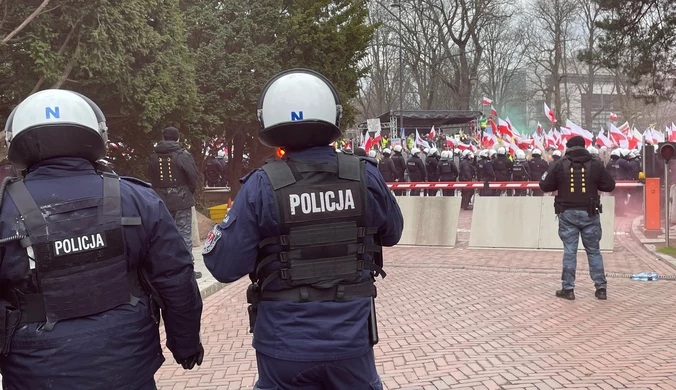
(478,319)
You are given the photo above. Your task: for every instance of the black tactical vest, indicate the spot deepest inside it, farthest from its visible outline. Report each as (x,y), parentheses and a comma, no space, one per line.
(80,261)
(519,171)
(322,218)
(481,169)
(578,176)
(445,167)
(614,169)
(168,173)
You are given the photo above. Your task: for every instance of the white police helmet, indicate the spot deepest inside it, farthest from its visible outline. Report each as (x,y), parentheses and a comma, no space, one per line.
(593,150)
(520,155)
(387,151)
(433,152)
(502,150)
(625,152)
(466,153)
(397,148)
(221,154)
(635,153)
(456,151)
(470,155)
(426,150)
(446,154)
(372,153)
(491,153)
(556,153)
(415,151)
(536,152)
(55,123)
(299,108)
(615,152)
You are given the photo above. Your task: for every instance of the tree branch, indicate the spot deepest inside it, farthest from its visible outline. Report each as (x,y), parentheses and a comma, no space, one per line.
(25,22)
(68,69)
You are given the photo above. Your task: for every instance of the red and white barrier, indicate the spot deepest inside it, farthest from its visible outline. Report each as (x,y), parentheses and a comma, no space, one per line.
(493,184)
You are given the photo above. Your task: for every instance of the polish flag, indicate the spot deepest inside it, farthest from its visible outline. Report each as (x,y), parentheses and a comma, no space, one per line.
(375,141)
(433,133)
(488,140)
(602,140)
(539,129)
(420,141)
(504,128)
(450,141)
(577,130)
(657,136)
(672,133)
(487,101)
(549,113)
(366,141)
(493,112)
(613,117)
(618,137)
(648,136)
(625,129)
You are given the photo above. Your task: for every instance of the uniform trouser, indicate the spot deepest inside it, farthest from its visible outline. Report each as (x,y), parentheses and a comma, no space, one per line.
(466,198)
(183,220)
(357,373)
(572,225)
(150,385)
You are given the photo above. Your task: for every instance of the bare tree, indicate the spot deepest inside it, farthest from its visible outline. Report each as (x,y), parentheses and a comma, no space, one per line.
(503,58)
(550,32)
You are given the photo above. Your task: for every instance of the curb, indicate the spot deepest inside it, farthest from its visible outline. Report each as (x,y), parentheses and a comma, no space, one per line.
(212,289)
(648,243)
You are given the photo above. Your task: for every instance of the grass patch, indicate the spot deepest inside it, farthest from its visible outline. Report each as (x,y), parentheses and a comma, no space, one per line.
(668,250)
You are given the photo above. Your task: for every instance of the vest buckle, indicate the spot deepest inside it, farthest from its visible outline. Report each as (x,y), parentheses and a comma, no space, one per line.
(340,292)
(361,249)
(361,232)
(284,240)
(283,257)
(360,265)
(284,273)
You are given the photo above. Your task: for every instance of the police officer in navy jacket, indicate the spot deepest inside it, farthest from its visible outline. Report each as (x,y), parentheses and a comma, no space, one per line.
(87,261)
(308,231)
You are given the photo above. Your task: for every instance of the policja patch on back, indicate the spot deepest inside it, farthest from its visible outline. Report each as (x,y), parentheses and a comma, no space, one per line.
(212,238)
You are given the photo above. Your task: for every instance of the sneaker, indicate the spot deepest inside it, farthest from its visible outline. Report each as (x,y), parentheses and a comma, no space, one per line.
(601,294)
(566,294)
(198,275)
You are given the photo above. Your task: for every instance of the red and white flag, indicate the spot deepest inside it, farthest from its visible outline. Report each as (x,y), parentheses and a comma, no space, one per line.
(433,133)
(539,129)
(504,128)
(549,113)
(618,137)
(613,117)
(487,101)
(602,140)
(494,112)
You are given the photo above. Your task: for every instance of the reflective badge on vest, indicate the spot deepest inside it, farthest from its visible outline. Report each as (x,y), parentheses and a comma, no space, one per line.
(312,203)
(79,244)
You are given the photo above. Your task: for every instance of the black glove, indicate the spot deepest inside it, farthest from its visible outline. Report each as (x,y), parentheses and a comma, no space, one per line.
(189,362)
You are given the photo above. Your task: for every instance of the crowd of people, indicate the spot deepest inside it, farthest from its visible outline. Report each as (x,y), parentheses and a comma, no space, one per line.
(491,165)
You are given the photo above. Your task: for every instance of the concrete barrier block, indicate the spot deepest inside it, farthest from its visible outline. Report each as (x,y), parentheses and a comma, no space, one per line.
(549,225)
(411,208)
(438,224)
(505,222)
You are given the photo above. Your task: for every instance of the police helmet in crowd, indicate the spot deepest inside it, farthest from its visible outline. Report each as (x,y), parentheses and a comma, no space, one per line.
(415,151)
(502,151)
(372,153)
(492,153)
(556,153)
(520,155)
(433,152)
(398,148)
(299,108)
(615,152)
(446,154)
(55,123)
(221,154)
(426,151)
(625,153)
(387,151)
(456,151)
(593,150)
(536,152)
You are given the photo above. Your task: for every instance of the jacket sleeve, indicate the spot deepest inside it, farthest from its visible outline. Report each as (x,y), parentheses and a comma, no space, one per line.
(388,218)
(234,249)
(606,181)
(549,183)
(190,168)
(170,270)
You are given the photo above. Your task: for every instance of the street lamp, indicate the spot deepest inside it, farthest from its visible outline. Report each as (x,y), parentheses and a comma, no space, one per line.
(401,73)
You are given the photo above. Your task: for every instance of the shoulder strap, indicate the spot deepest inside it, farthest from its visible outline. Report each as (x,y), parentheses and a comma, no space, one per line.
(112,201)
(349,167)
(279,173)
(29,210)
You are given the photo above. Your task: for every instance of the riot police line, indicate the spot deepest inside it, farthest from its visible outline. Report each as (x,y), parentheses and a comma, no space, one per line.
(495,168)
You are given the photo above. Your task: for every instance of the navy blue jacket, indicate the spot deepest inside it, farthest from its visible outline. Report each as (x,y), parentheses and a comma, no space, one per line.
(120,348)
(310,331)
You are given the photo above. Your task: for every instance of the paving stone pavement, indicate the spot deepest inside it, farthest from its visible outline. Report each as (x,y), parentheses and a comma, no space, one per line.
(479,319)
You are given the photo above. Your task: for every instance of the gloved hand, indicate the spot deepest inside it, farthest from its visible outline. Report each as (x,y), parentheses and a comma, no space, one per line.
(189,362)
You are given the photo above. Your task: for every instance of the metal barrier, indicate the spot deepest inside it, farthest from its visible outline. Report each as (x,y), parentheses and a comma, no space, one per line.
(493,184)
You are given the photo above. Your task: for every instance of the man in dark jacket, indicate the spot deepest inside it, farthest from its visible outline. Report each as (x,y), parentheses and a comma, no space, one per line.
(174,177)
(431,165)
(502,167)
(467,173)
(578,178)
(416,169)
(386,167)
(538,167)
(447,171)
(87,258)
(400,167)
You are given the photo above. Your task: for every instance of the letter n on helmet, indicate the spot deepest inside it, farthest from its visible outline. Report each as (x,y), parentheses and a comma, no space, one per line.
(299,108)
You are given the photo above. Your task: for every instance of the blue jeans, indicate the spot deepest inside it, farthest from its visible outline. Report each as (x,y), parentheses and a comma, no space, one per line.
(572,225)
(355,374)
